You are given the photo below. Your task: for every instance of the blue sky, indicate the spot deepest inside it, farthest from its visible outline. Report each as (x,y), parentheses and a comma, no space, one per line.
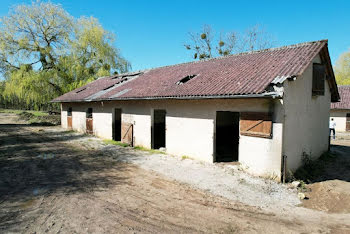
(152,33)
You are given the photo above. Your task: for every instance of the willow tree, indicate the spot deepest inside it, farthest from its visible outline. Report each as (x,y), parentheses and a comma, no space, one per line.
(342,69)
(45,52)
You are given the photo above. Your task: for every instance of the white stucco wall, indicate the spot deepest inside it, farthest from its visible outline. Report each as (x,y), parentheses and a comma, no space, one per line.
(306,126)
(190,126)
(339,117)
(64,122)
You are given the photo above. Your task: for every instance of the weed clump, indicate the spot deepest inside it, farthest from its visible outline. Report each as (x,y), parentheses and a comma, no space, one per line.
(313,169)
(112,142)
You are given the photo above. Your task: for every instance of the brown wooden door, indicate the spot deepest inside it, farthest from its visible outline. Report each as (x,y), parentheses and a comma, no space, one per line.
(69,121)
(127,133)
(89,126)
(348,122)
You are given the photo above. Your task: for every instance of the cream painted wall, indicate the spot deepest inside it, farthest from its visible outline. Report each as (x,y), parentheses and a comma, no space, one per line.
(340,119)
(64,122)
(306,126)
(190,127)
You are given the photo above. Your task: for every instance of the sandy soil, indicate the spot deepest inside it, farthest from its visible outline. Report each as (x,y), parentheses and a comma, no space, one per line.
(49,183)
(331,191)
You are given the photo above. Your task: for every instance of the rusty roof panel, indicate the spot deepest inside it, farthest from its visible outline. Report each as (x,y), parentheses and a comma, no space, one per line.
(240,74)
(344,103)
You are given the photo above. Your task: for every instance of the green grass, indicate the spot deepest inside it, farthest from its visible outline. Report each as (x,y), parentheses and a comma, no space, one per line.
(152,151)
(183,157)
(35,113)
(111,142)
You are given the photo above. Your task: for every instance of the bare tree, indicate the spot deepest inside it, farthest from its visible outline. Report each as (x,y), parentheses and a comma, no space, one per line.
(205,44)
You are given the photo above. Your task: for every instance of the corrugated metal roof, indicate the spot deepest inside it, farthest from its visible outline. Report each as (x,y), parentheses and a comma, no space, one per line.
(240,74)
(344,92)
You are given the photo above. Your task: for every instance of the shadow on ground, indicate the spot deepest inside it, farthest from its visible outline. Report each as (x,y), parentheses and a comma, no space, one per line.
(332,165)
(35,163)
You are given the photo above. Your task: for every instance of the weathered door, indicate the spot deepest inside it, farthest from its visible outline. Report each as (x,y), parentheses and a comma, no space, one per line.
(257,124)
(89,127)
(69,121)
(348,122)
(127,133)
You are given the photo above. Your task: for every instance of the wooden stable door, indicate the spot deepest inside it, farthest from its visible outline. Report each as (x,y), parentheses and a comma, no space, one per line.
(127,133)
(69,121)
(348,122)
(89,126)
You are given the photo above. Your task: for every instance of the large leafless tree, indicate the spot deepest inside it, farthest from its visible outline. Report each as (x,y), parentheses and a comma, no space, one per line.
(208,44)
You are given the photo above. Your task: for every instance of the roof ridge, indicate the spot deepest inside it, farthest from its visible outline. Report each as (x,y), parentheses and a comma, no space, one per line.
(239,54)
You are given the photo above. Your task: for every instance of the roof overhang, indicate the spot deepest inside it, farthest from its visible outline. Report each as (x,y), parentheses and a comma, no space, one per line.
(272,95)
(324,54)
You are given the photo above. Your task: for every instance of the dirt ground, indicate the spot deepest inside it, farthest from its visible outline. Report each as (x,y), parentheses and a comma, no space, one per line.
(331,191)
(49,184)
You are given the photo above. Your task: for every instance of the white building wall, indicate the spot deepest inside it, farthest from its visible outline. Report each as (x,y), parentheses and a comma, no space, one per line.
(190,126)
(306,127)
(64,114)
(339,117)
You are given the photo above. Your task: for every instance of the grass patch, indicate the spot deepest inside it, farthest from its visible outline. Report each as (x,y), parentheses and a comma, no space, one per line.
(312,169)
(152,151)
(183,157)
(112,142)
(35,113)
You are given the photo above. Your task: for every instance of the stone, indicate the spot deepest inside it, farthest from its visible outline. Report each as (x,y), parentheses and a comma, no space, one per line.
(296,184)
(301,196)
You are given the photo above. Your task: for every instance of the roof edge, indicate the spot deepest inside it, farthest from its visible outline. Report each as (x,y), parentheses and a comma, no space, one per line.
(243,96)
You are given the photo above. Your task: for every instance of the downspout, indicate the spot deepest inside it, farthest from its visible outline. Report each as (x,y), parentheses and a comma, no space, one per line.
(283,156)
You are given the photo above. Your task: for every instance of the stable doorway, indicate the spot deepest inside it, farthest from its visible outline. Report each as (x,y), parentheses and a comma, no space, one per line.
(117,125)
(69,118)
(227,136)
(158,129)
(89,121)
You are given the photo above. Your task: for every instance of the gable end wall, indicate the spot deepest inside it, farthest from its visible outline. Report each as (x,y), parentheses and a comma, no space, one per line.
(306,127)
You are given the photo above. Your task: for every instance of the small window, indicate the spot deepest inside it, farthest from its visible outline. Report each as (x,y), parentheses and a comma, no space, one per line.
(69,111)
(89,113)
(318,79)
(185,79)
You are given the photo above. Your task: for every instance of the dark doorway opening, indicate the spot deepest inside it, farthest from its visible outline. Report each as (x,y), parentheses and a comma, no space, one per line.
(69,118)
(227,136)
(348,122)
(117,125)
(158,129)
(89,121)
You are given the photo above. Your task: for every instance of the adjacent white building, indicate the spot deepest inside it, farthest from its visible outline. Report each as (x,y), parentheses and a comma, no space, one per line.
(263,109)
(340,111)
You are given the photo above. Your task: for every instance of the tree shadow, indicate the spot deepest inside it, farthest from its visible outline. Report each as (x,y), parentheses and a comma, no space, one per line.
(39,164)
(334,165)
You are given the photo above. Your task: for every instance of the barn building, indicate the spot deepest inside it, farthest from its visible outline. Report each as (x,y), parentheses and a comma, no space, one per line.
(340,111)
(262,109)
